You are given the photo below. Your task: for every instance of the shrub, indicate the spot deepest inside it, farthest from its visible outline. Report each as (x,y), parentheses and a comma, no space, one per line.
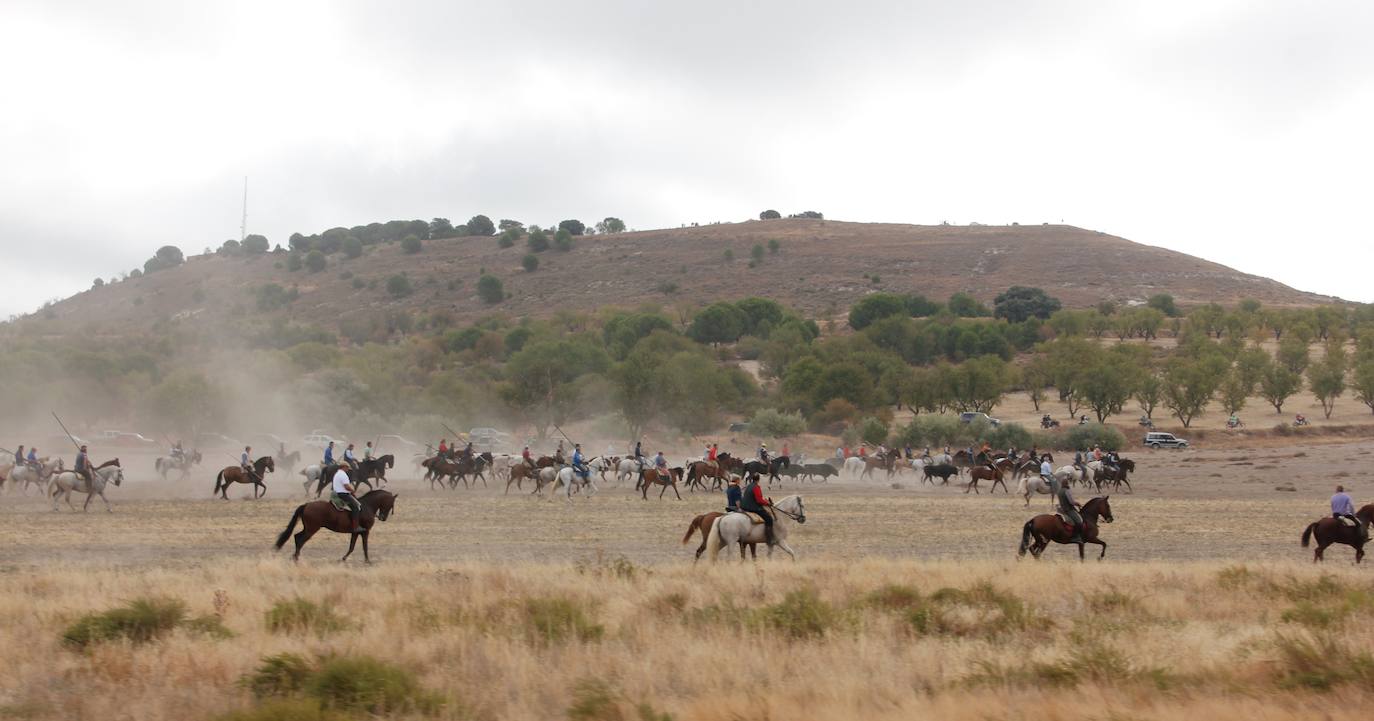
(1093,434)
(530,262)
(800,614)
(352,247)
(140,621)
(1009,435)
(296,709)
(554,620)
(770,215)
(772,423)
(284,674)
(299,615)
(481,225)
(398,286)
(359,284)
(363,683)
(537,240)
(314,261)
(411,244)
(873,431)
(666,287)
(293,262)
(563,240)
(272,296)
(773,246)
(507,238)
(490,290)
(729,254)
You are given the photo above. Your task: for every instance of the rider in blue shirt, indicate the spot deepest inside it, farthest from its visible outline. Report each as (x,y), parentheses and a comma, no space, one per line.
(329,454)
(579,463)
(733,494)
(33,458)
(82,466)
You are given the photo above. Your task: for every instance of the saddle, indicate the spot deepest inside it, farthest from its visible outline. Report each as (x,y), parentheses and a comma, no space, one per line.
(1348,521)
(755,518)
(338,503)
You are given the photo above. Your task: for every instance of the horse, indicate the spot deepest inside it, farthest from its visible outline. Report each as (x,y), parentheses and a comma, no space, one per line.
(1333,530)
(771,468)
(313,516)
(235,474)
(26,474)
(1050,527)
(183,464)
(288,461)
(1102,473)
(733,528)
(853,465)
(518,473)
(978,473)
(705,469)
(475,464)
(703,523)
(650,476)
(64,482)
(943,470)
(626,468)
(374,468)
(1030,484)
(573,480)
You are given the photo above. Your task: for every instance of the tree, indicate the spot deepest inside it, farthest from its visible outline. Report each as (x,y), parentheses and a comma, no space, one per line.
(874,307)
(508,224)
(757,253)
(611,225)
(1106,384)
(563,240)
(441,228)
(1292,353)
(530,262)
(720,322)
(978,384)
(1327,381)
(761,316)
(254,244)
(770,215)
(1278,384)
(541,379)
(1034,379)
(773,245)
(352,247)
(1190,383)
(481,225)
(772,423)
(847,380)
(168,256)
(964,305)
(1148,392)
(537,240)
(314,261)
(398,286)
(98,283)
(1234,389)
(507,238)
(229,247)
(1164,303)
(573,226)
(411,244)
(490,290)
(1362,382)
(811,214)
(1020,302)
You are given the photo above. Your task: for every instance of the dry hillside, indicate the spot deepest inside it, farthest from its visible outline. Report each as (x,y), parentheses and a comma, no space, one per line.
(820,264)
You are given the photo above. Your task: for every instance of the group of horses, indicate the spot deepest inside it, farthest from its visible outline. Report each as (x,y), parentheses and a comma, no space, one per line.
(56,480)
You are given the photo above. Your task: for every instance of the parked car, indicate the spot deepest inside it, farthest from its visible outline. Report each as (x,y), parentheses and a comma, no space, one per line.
(1159,439)
(320,440)
(970,417)
(398,446)
(738,428)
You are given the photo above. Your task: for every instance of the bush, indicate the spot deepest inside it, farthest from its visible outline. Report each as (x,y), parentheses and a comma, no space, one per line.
(140,621)
(1093,434)
(481,225)
(272,296)
(666,287)
(352,247)
(363,683)
(296,709)
(284,674)
(530,262)
(574,227)
(359,284)
(314,261)
(411,245)
(770,215)
(553,620)
(537,240)
(935,432)
(562,240)
(1009,435)
(772,423)
(293,262)
(800,615)
(490,290)
(873,431)
(507,238)
(254,244)
(398,286)
(301,616)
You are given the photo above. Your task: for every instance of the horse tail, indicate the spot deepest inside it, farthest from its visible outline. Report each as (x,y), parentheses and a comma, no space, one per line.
(1025,538)
(691,528)
(713,539)
(1022,487)
(219,478)
(1307,534)
(281,540)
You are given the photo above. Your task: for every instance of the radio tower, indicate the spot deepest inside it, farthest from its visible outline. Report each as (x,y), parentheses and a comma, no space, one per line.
(243,227)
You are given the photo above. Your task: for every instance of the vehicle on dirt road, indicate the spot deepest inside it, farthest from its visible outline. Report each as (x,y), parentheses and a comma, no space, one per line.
(1159,439)
(970,417)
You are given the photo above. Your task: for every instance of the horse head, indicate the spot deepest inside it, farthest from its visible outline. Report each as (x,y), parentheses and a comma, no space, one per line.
(382,502)
(119,475)
(793,508)
(1366,514)
(1101,506)
(265,462)
(389,460)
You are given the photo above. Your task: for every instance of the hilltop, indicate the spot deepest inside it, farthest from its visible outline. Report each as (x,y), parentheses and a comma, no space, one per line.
(820,267)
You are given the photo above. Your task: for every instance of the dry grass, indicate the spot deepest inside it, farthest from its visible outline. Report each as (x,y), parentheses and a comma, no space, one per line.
(871,639)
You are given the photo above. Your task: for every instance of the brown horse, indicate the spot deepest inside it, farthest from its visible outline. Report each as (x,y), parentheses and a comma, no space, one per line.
(1050,527)
(520,472)
(705,469)
(650,476)
(315,515)
(703,523)
(1104,474)
(235,474)
(983,473)
(1331,530)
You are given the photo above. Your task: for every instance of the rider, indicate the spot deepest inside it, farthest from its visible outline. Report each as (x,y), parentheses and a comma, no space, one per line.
(1113,462)
(246,462)
(19,456)
(1067,507)
(349,459)
(578,463)
(661,463)
(1233,421)
(1343,507)
(329,453)
(1300,420)
(82,465)
(714,455)
(527,457)
(32,459)
(368,450)
(863,450)
(1078,460)
(343,489)
(177,454)
(733,495)
(1046,470)
(443,447)
(639,451)
(785,449)
(839,453)
(763,453)
(467,451)
(754,501)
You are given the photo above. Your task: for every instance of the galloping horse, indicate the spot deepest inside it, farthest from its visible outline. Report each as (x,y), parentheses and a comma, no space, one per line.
(979,473)
(235,474)
(1331,530)
(1050,527)
(518,473)
(705,469)
(1033,483)
(573,480)
(64,482)
(183,464)
(771,469)
(26,474)
(315,515)
(650,476)
(1102,473)
(733,528)
(288,461)
(374,468)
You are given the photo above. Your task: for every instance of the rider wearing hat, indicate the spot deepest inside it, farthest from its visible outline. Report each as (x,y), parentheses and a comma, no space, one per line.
(82,465)
(1068,508)
(246,463)
(763,453)
(754,502)
(733,494)
(579,463)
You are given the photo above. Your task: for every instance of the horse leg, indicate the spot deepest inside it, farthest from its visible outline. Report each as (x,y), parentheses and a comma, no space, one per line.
(995,481)
(783,545)
(1103,544)
(675,493)
(665,490)
(304,535)
(1080,551)
(1317,555)
(259,485)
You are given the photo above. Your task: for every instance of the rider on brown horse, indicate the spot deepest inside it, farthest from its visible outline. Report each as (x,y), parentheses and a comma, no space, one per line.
(754,502)
(1343,507)
(246,463)
(733,494)
(1067,508)
(343,490)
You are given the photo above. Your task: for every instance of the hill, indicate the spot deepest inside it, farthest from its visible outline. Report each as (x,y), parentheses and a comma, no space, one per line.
(821,267)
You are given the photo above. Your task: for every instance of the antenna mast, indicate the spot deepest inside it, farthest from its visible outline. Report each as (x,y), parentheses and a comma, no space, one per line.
(243,227)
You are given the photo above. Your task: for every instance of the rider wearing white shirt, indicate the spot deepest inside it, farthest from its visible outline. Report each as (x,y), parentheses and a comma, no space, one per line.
(343,488)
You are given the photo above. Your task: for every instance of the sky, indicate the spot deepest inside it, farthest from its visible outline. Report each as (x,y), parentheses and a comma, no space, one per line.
(1235,131)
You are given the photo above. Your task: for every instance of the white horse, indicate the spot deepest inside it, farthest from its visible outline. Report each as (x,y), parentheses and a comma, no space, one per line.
(628,468)
(64,482)
(1031,484)
(26,474)
(735,528)
(853,465)
(312,476)
(573,481)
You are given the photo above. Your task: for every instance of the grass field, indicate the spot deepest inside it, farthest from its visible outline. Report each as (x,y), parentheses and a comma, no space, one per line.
(909,603)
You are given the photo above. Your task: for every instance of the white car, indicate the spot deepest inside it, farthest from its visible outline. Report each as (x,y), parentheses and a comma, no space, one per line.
(320,440)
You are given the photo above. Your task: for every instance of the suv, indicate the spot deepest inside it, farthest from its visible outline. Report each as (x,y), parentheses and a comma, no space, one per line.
(971,417)
(1156,439)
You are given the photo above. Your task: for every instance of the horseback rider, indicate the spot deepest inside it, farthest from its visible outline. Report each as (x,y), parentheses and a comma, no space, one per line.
(1068,509)
(754,502)
(661,463)
(863,450)
(1343,507)
(527,457)
(32,459)
(1078,460)
(178,455)
(82,465)
(329,454)
(467,451)
(839,453)
(368,451)
(579,464)
(786,451)
(908,455)
(19,456)
(246,462)
(639,452)
(349,459)
(1112,462)
(343,490)
(733,495)
(763,453)
(714,455)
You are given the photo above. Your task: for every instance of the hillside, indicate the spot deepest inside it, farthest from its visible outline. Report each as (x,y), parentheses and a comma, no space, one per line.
(821,265)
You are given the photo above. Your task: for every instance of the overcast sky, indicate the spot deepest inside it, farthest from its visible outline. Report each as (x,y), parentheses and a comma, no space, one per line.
(1235,131)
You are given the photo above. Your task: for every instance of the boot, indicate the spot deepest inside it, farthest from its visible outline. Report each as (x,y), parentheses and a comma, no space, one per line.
(768,535)
(1077,536)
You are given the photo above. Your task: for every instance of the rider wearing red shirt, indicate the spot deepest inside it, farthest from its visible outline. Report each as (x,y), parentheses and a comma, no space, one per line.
(711,456)
(754,502)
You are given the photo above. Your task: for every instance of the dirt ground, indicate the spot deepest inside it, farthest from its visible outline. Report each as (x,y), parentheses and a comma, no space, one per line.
(1202,504)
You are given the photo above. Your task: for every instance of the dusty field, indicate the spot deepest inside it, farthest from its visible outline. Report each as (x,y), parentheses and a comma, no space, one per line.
(513,607)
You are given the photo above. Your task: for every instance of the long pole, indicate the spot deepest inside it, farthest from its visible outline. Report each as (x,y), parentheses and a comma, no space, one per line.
(64,430)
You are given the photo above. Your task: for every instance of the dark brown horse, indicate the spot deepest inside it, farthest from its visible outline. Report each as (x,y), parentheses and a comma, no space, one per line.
(706,469)
(315,515)
(520,472)
(1332,530)
(1104,475)
(235,474)
(650,476)
(1050,527)
(703,523)
(984,473)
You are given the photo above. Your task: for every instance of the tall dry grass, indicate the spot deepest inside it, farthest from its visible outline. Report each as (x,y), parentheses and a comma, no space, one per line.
(611,640)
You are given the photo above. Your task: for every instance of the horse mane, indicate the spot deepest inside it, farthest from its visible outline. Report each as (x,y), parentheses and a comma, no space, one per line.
(262,461)
(111,462)
(1366,512)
